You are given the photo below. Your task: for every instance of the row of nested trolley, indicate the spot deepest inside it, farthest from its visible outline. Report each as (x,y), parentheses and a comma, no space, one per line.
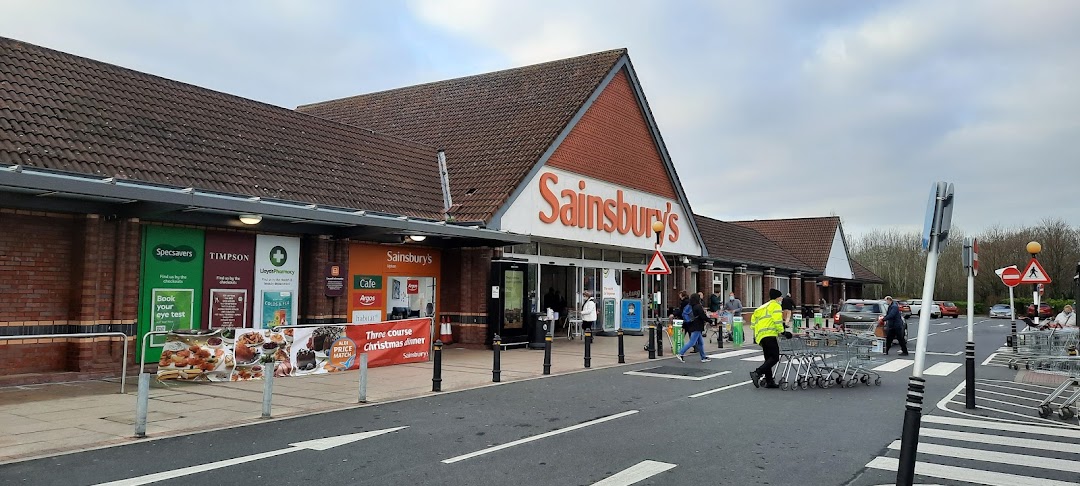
(821,359)
(1052,351)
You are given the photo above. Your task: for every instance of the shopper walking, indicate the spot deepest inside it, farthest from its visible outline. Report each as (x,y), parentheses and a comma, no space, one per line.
(695,327)
(715,301)
(732,308)
(894,326)
(588,311)
(768,323)
(788,306)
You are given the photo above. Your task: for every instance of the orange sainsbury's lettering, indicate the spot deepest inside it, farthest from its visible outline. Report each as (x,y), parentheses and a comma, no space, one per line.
(585,210)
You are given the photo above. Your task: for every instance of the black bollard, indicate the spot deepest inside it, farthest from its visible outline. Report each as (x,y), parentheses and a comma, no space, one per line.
(1012,338)
(496,345)
(588,348)
(436,378)
(547,354)
(909,443)
(652,341)
(970,377)
(660,339)
(622,355)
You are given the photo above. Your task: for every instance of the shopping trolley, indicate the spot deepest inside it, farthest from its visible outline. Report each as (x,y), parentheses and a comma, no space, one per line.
(1053,351)
(824,359)
(1032,344)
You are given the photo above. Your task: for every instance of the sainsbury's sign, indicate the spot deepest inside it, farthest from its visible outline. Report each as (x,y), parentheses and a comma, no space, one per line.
(560,204)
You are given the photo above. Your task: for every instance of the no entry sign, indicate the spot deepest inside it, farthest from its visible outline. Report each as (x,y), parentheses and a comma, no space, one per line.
(1010,276)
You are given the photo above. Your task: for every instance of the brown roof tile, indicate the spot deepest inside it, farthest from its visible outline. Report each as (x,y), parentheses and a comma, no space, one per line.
(63,112)
(808,239)
(741,245)
(494,127)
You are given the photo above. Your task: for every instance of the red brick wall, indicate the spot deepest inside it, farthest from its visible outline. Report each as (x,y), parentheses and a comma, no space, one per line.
(35,266)
(316,307)
(612,142)
(463,293)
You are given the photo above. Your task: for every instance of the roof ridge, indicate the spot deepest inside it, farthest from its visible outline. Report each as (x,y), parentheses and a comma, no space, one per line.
(783,219)
(621,50)
(27,46)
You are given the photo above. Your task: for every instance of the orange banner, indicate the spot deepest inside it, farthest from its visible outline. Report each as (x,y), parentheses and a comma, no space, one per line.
(393,342)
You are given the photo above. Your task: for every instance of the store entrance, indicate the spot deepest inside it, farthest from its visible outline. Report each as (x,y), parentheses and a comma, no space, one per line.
(562,293)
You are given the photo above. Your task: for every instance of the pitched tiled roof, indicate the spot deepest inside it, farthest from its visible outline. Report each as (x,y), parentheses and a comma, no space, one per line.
(741,245)
(68,113)
(864,274)
(494,127)
(808,239)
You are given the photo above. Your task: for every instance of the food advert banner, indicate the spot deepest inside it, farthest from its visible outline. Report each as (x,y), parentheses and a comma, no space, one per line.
(224,355)
(228,279)
(170,288)
(277,280)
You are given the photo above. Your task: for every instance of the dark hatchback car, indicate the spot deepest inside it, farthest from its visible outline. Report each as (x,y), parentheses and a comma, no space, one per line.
(1045,311)
(949,309)
(860,315)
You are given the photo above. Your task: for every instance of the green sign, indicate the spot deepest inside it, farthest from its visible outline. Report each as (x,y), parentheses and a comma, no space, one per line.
(170,290)
(276,308)
(367,282)
(609,314)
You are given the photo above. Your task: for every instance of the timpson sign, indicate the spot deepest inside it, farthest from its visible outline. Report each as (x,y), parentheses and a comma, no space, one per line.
(564,205)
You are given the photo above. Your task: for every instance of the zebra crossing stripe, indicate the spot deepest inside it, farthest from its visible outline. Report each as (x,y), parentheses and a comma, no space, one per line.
(1000,440)
(732,354)
(941,369)
(1000,426)
(998,457)
(895,365)
(965,474)
(755,358)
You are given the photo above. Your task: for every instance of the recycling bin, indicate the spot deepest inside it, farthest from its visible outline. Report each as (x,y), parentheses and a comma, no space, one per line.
(678,339)
(737,331)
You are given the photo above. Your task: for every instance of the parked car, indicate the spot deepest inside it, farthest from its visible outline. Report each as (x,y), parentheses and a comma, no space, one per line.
(861,315)
(1000,310)
(916,308)
(949,309)
(905,308)
(1045,311)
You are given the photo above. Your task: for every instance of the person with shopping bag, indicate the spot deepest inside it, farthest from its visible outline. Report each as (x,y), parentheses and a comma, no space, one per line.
(695,326)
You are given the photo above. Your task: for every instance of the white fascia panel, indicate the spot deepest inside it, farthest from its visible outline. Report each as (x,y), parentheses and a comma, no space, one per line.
(838,265)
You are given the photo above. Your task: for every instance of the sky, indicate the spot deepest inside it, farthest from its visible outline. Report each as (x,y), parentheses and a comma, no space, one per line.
(768,109)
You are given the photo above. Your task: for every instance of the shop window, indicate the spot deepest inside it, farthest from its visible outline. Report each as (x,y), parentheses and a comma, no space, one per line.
(783,284)
(631,284)
(722,282)
(595,254)
(522,249)
(563,251)
(752,297)
(410,297)
(612,256)
(638,258)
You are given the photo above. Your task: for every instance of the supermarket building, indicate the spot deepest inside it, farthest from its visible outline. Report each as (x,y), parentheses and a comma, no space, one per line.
(470,200)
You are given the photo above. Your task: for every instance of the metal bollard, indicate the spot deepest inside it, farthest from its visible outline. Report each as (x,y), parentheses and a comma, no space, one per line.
(652,341)
(362,396)
(969,376)
(268,393)
(1012,338)
(436,378)
(496,345)
(547,354)
(141,405)
(622,355)
(588,348)
(660,340)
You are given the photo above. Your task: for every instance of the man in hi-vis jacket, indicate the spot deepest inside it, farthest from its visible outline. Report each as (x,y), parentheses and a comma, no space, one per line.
(768,323)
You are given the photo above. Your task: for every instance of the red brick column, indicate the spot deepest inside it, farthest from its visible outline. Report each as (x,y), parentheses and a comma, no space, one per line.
(705,279)
(797,290)
(463,293)
(315,307)
(738,283)
(768,282)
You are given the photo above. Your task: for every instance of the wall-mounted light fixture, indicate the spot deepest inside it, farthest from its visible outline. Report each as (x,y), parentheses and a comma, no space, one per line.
(417,237)
(250,218)
(685,260)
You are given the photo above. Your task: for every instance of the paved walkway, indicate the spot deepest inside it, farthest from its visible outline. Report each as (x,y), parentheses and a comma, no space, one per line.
(41,420)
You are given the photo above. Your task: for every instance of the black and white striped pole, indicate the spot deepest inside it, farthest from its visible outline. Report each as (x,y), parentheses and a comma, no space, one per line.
(935,234)
(971,266)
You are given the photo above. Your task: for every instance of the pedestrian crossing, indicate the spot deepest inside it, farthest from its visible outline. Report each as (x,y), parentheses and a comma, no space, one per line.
(943,368)
(972,451)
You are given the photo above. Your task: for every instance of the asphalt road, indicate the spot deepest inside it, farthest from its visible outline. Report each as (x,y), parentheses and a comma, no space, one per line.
(572,429)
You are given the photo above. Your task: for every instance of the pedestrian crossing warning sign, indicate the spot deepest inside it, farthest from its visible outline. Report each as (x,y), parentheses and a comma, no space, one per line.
(1034,274)
(658,264)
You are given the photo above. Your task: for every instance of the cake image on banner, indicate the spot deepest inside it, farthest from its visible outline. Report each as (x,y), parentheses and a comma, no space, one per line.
(277,281)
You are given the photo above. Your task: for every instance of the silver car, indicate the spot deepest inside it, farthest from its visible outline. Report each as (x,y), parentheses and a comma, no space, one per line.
(1000,311)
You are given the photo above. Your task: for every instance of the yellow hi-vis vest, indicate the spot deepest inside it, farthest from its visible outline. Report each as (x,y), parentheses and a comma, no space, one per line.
(768,320)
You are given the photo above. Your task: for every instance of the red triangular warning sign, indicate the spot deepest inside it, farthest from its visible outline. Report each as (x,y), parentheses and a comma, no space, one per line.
(1034,274)
(658,265)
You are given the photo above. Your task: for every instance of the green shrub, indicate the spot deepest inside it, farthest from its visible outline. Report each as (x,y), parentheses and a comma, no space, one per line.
(980,308)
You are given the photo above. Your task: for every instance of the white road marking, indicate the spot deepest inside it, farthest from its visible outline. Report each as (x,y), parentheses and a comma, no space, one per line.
(755,358)
(676,377)
(317,445)
(538,437)
(895,365)
(942,369)
(732,354)
(1000,440)
(697,395)
(965,474)
(1025,384)
(988,359)
(984,383)
(985,424)
(958,353)
(1029,399)
(638,472)
(994,456)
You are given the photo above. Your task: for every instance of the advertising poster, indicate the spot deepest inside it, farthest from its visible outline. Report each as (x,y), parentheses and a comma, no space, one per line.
(170,288)
(631,314)
(400,277)
(312,349)
(228,279)
(196,356)
(257,351)
(366,299)
(277,280)
(513,299)
(397,342)
(609,315)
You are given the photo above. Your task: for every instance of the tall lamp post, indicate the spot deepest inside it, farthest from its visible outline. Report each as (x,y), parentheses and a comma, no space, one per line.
(658,228)
(1034,248)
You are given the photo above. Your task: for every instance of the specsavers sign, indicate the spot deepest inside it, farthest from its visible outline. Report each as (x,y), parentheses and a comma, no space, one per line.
(171,285)
(563,205)
(277,281)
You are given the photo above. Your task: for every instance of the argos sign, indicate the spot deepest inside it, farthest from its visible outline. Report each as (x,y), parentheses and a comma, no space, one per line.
(560,204)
